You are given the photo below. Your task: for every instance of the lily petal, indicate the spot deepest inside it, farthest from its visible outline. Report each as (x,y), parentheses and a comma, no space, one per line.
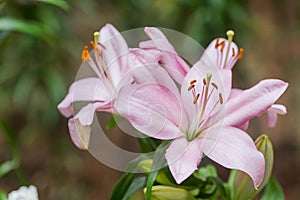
(173,63)
(234,149)
(88,89)
(145,69)
(115,53)
(253,102)
(80,134)
(217,50)
(273,112)
(183,158)
(152,109)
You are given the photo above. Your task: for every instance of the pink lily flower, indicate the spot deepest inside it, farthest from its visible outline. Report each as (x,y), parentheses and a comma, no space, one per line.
(109,62)
(222,53)
(195,120)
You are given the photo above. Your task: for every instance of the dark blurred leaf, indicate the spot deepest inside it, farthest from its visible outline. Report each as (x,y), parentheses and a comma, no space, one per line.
(28,27)
(273,191)
(136,184)
(23,88)
(147,144)
(122,186)
(8,166)
(114,120)
(58,3)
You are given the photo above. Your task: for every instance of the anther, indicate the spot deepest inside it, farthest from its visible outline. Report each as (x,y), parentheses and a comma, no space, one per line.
(85,55)
(102,45)
(222,44)
(196,98)
(193,81)
(233,52)
(191,87)
(96,48)
(220,98)
(204,81)
(241,53)
(214,85)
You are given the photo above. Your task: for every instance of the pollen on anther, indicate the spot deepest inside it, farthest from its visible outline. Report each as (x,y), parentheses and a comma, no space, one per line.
(204,81)
(96,48)
(85,55)
(196,98)
(193,81)
(215,85)
(220,98)
(191,87)
(233,52)
(222,44)
(241,53)
(102,45)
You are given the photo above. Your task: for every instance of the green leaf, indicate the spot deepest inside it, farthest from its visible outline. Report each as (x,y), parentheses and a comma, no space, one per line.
(147,144)
(27,27)
(122,186)
(58,3)
(8,166)
(3,195)
(136,184)
(150,181)
(114,120)
(273,191)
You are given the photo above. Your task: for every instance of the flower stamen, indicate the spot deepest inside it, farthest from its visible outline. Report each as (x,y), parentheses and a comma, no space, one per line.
(85,55)
(230,35)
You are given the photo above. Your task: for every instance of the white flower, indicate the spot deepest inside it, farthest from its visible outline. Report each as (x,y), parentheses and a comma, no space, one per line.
(24,193)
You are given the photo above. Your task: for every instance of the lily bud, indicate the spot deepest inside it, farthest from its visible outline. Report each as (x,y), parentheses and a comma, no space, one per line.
(169,193)
(243,184)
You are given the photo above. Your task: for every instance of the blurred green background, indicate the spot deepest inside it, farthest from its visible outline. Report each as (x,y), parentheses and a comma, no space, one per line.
(41,43)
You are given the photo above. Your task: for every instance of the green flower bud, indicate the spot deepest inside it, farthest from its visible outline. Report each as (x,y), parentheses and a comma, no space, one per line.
(161,192)
(243,185)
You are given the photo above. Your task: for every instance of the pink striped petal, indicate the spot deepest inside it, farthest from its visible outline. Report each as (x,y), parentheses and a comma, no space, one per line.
(152,109)
(183,158)
(273,112)
(88,89)
(253,102)
(115,53)
(173,63)
(234,149)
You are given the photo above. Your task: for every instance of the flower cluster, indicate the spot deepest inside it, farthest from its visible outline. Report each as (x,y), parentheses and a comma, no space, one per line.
(163,97)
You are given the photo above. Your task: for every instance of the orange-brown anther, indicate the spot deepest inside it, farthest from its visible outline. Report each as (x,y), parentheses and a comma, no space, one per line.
(214,85)
(196,98)
(241,53)
(220,98)
(96,48)
(193,81)
(204,81)
(191,87)
(233,52)
(102,45)
(85,55)
(222,44)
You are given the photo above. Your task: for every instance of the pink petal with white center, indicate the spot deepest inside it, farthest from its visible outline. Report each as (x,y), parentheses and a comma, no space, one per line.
(152,109)
(273,112)
(88,89)
(183,158)
(234,149)
(80,134)
(253,102)
(173,63)
(217,51)
(216,90)
(115,53)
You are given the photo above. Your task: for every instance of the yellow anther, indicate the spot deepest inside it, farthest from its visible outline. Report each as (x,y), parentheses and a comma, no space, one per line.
(241,53)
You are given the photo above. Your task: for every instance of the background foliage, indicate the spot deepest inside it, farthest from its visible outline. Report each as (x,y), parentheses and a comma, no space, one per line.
(41,43)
